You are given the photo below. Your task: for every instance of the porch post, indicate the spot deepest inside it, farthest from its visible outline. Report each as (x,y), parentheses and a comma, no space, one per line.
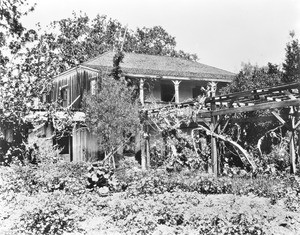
(176,86)
(142,91)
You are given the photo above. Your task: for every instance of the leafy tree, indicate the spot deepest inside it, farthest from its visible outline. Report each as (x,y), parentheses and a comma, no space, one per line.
(291,66)
(16,87)
(13,34)
(79,38)
(245,133)
(251,77)
(111,114)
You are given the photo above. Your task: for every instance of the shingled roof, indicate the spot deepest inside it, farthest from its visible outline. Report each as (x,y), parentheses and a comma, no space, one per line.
(160,66)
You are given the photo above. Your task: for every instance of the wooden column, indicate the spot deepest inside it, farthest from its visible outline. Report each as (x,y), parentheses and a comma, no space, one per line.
(214,152)
(292,143)
(176,86)
(142,91)
(147,139)
(143,153)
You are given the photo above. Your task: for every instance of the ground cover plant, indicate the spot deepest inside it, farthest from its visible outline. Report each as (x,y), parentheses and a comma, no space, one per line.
(87,198)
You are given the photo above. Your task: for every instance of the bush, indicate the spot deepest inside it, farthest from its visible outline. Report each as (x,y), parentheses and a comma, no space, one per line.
(53,214)
(159,181)
(277,160)
(66,176)
(48,174)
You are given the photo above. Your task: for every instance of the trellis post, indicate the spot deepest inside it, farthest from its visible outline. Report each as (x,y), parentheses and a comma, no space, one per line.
(214,152)
(147,139)
(292,142)
(143,152)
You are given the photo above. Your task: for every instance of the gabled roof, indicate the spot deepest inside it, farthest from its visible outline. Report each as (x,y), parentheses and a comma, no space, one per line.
(160,66)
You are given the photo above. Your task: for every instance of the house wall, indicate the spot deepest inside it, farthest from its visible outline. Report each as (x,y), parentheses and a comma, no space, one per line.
(82,145)
(85,146)
(76,82)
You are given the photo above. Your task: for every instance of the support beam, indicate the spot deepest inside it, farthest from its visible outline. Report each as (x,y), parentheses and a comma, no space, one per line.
(256,107)
(289,94)
(278,117)
(176,86)
(142,98)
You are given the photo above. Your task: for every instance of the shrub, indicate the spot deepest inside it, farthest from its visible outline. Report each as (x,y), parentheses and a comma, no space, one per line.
(158,181)
(46,177)
(54,214)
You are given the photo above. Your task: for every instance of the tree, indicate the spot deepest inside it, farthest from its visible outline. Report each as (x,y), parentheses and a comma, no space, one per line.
(16,87)
(13,34)
(111,113)
(251,77)
(291,66)
(74,40)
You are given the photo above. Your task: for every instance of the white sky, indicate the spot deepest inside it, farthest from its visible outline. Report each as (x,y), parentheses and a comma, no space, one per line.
(223,33)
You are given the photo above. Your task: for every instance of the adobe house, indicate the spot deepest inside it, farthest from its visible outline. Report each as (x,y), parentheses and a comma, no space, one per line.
(175,80)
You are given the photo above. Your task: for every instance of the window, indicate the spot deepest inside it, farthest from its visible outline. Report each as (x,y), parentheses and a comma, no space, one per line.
(63,144)
(64,96)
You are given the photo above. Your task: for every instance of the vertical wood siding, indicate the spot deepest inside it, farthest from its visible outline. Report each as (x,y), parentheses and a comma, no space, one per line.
(85,146)
(77,81)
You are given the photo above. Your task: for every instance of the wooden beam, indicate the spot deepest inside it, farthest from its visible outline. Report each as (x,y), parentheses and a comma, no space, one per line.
(297,124)
(289,94)
(292,153)
(259,92)
(253,119)
(73,102)
(262,106)
(277,116)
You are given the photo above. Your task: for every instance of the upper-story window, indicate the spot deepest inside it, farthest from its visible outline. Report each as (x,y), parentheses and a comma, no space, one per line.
(93,86)
(64,95)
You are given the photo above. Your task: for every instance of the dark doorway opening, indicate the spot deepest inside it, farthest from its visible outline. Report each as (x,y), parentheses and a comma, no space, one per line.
(167,93)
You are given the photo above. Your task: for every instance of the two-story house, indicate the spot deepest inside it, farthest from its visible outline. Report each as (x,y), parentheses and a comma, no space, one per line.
(175,80)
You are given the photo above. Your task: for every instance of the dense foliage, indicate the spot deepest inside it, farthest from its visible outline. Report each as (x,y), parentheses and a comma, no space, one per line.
(252,77)
(111,113)
(257,137)
(291,65)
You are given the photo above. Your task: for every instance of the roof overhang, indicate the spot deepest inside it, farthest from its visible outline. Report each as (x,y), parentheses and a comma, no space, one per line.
(177,78)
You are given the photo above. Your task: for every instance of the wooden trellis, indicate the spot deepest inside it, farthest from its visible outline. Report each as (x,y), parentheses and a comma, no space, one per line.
(218,108)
